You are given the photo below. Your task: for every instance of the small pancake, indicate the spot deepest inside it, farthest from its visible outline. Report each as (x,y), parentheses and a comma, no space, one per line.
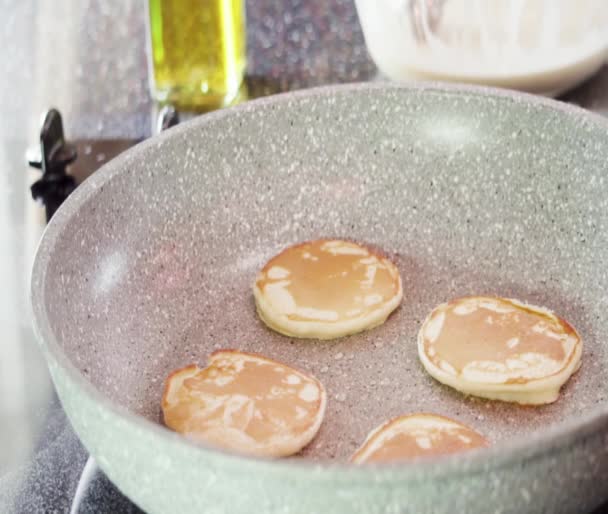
(500,349)
(245,403)
(325,289)
(417,435)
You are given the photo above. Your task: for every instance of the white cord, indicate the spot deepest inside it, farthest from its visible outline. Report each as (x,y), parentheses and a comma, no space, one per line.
(88,472)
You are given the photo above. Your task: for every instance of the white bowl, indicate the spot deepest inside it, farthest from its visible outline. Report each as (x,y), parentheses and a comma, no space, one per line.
(538,46)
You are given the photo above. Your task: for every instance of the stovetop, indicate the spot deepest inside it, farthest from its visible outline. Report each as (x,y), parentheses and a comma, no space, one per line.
(102,92)
(62,478)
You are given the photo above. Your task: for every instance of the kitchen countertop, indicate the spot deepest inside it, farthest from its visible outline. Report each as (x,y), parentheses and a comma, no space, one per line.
(87,58)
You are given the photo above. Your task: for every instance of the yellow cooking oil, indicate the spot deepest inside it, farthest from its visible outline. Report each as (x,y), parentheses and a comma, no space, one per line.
(198,51)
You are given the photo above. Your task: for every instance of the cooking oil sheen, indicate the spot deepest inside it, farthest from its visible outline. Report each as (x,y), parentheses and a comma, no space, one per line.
(198,51)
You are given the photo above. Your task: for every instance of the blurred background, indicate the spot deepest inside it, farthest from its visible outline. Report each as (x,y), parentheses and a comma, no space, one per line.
(107,66)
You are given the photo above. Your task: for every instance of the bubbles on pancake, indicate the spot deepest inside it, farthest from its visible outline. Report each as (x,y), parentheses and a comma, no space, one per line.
(513,342)
(417,435)
(309,393)
(326,288)
(424,442)
(434,326)
(490,347)
(245,403)
(343,248)
(277,273)
(293,379)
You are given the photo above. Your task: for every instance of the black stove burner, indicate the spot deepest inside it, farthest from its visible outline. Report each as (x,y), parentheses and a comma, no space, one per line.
(64,165)
(54,154)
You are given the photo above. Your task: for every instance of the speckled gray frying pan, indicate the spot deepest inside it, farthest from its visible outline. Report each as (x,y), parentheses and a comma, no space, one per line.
(148,266)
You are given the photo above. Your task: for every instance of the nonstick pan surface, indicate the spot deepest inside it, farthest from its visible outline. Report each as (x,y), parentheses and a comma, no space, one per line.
(148,267)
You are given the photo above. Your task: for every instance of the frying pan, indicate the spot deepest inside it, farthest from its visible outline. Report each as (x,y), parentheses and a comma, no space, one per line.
(148,266)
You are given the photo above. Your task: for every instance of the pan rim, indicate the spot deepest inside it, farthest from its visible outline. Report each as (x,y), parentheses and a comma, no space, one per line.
(530,447)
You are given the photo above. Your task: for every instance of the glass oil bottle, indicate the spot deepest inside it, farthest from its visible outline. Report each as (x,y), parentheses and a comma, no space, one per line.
(197,52)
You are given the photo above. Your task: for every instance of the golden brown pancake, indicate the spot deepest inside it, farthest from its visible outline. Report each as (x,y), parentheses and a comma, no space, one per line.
(245,403)
(417,435)
(326,288)
(499,348)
